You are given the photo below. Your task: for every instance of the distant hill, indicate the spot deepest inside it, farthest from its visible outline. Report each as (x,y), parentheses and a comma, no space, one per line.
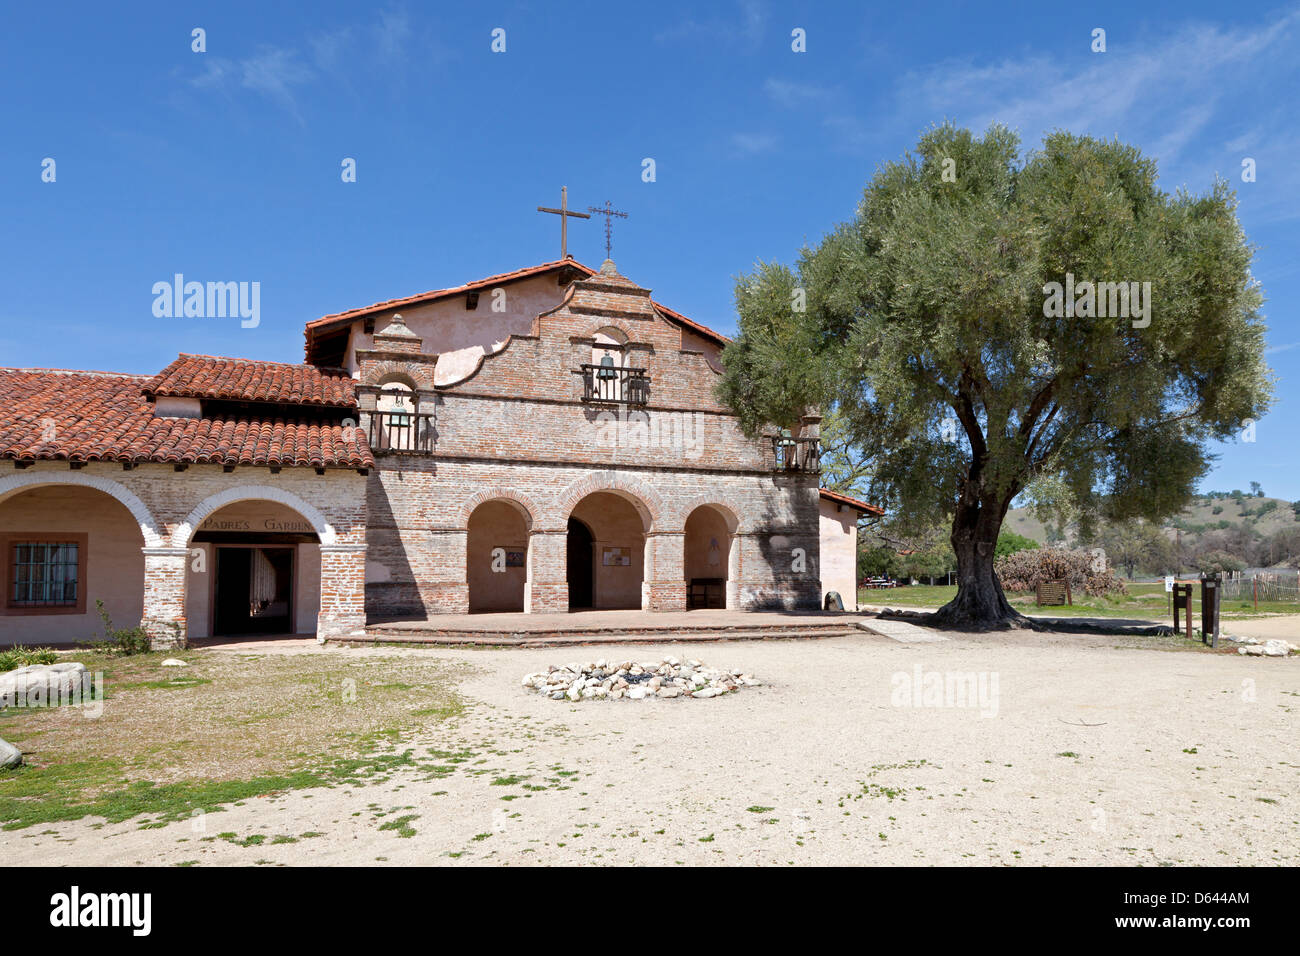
(1264,515)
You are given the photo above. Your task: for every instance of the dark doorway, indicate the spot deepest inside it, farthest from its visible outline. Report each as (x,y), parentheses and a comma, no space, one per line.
(254,593)
(580,569)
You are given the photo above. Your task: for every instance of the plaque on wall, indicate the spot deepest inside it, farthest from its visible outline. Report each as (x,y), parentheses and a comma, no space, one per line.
(617,557)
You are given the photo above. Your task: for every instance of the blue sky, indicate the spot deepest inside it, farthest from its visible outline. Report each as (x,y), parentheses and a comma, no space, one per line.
(225,165)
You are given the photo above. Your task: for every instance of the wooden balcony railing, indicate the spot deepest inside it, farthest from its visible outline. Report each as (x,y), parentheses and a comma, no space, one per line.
(796,454)
(400,433)
(615,385)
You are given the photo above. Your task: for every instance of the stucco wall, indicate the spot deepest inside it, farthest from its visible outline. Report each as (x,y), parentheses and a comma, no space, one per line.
(114,562)
(162,508)
(461,336)
(839,552)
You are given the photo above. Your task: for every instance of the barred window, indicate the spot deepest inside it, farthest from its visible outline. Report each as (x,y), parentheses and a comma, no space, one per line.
(45,574)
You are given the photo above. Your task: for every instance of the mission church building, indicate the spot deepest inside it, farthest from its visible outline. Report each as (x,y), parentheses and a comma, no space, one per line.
(544,440)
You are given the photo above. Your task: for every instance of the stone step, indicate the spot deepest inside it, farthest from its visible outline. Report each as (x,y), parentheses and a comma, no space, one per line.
(379,634)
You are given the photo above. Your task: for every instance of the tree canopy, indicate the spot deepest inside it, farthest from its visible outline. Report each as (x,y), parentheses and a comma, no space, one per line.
(959,323)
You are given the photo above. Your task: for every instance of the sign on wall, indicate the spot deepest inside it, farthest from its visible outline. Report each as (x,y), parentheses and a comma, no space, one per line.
(258,523)
(617,557)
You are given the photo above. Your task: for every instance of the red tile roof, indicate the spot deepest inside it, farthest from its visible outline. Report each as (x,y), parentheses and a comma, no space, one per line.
(249,380)
(52,414)
(862,506)
(343,318)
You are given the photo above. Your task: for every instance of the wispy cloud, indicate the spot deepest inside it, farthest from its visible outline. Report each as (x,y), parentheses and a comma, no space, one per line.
(1139,90)
(281,73)
(746,24)
(791,95)
(753,143)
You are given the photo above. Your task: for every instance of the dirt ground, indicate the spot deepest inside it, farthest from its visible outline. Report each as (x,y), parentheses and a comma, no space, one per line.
(1081,750)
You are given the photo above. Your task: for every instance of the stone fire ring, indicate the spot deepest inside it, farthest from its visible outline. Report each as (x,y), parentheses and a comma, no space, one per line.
(615,680)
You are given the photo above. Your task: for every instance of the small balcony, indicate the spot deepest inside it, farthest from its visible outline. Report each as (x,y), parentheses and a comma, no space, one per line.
(612,385)
(400,433)
(802,455)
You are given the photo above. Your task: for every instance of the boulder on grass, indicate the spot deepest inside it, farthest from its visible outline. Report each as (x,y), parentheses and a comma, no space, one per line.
(10,756)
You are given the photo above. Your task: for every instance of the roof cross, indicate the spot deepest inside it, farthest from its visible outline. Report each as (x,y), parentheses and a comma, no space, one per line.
(564,213)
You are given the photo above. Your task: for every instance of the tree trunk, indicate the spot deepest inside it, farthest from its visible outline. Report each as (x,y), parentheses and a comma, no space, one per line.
(980,603)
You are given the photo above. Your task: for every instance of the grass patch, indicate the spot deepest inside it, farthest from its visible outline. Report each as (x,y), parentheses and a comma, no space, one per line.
(12,658)
(246,726)
(402,825)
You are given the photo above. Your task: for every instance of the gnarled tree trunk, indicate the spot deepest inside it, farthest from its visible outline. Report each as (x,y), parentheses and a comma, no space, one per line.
(980,603)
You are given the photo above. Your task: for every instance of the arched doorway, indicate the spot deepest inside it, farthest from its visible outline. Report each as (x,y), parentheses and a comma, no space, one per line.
(254,570)
(607,535)
(62,548)
(707,556)
(496,555)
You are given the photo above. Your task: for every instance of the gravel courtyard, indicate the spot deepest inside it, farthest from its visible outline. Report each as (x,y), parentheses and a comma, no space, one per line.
(1082,750)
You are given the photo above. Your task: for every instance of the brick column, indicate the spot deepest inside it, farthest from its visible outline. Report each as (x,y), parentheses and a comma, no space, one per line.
(663,587)
(547,589)
(342,591)
(164,596)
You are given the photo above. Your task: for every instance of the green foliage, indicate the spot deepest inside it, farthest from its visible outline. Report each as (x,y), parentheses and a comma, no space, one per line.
(1138,544)
(925,325)
(11,658)
(1009,543)
(877,561)
(1219,561)
(121,640)
(846,468)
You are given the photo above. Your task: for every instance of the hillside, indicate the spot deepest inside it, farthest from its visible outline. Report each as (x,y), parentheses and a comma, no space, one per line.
(1204,514)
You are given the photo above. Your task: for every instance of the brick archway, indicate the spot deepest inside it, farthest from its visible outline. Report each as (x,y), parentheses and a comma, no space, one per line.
(497,494)
(644,498)
(740,523)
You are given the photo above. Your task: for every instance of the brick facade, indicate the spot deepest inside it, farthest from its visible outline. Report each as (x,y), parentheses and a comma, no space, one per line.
(518,429)
(515,426)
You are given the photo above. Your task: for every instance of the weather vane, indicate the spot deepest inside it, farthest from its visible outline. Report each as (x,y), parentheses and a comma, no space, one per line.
(608,212)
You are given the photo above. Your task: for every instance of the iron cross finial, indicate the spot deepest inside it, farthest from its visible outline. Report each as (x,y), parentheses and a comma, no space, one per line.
(608,212)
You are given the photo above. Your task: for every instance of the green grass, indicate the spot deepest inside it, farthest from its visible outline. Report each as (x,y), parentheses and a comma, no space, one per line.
(1143,601)
(227,729)
(12,658)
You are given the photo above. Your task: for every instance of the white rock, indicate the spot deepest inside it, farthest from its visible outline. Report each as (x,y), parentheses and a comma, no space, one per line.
(10,756)
(173,662)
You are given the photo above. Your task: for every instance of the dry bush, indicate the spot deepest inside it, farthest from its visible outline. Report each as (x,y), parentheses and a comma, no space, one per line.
(1025,570)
